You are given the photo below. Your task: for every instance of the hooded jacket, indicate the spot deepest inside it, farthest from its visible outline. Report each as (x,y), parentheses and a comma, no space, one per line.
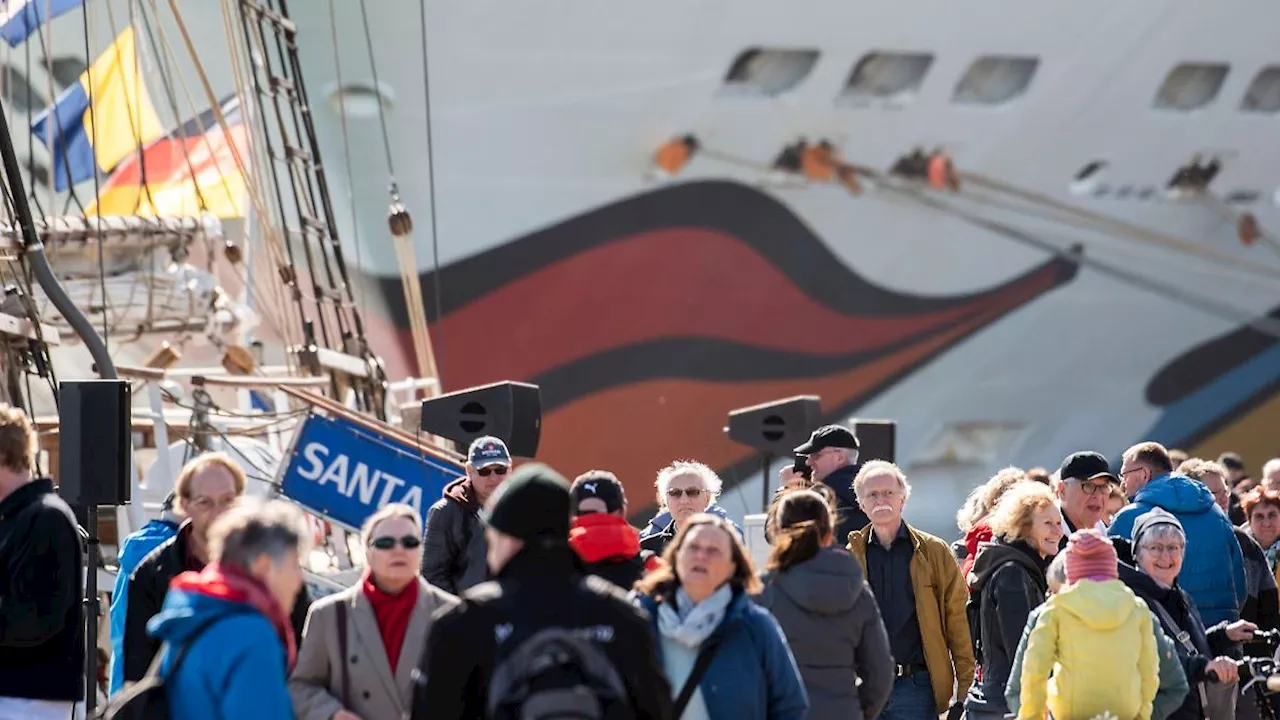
(1006,583)
(849,514)
(1083,634)
(662,529)
(979,534)
(1173,681)
(454,548)
(1213,566)
(610,548)
(234,668)
(135,548)
(832,623)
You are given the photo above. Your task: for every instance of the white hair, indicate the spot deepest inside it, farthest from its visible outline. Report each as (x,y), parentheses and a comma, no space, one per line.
(710,480)
(1162,532)
(1056,573)
(879,467)
(1272,466)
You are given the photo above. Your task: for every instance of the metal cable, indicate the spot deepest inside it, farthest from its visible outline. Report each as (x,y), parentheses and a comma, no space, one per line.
(431,199)
(377,86)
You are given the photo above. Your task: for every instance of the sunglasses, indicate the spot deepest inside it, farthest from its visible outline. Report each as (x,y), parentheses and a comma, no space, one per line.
(675,493)
(386,542)
(492,470)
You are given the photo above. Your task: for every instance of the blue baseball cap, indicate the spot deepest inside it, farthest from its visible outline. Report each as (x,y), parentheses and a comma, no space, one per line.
(488,450)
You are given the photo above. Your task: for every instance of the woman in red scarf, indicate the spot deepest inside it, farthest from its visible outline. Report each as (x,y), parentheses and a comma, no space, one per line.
(228,643)
(361,645)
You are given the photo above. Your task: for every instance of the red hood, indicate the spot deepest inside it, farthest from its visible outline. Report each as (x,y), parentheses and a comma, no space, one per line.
(979,533)
(597,537)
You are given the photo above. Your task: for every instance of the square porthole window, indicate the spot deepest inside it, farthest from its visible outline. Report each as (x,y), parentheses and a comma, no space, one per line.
(995,80)
(769,71)
(888,77)
(1191,86)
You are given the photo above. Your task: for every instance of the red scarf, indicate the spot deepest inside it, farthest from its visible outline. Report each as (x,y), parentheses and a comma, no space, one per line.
(393,613)
(235,585)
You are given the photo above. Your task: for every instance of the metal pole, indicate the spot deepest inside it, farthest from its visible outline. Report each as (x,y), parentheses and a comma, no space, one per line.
(91,616)
(766,460)
(33,251)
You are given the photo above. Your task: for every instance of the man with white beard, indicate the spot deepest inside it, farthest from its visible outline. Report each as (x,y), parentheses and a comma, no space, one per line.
(921,595)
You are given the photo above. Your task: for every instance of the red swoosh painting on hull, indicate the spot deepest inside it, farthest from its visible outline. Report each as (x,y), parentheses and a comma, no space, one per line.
(644,322)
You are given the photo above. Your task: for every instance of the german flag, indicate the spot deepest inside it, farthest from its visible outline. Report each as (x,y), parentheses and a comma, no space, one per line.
(189,171)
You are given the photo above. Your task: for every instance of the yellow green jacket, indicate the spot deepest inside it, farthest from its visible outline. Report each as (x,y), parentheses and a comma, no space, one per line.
(1091,654)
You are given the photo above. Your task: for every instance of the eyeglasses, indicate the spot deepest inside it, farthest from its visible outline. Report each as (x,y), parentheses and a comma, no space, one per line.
(1092,488)
(386,542)
(1158,549)
(492,470)
(692,493)
(879,495)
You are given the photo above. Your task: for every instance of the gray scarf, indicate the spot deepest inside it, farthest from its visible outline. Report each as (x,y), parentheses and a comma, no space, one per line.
(688,624)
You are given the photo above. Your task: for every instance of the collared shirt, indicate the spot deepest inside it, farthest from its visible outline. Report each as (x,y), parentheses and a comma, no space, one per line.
(889,574)
(1069,527)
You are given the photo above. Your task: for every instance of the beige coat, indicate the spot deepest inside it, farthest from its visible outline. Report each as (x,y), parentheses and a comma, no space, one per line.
(376,692)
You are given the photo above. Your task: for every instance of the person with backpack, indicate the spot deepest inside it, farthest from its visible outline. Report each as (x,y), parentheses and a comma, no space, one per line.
(725,656)
(227,643)
(543,638)
(826,610)
(1007,582)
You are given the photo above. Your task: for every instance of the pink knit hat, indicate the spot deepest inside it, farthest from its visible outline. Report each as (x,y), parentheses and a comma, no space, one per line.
(1090,557)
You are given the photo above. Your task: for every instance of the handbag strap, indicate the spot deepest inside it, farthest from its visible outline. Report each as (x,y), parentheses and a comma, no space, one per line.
(341,609)
(705,655)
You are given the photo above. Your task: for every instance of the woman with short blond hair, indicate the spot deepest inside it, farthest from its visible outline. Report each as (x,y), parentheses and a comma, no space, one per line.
(360,643)
(1007,582)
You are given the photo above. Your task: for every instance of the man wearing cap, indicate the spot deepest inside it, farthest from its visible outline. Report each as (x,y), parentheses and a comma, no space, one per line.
(537,585)
(832,453)
(454,547)
(600,533)
(1084,484)
(136,546)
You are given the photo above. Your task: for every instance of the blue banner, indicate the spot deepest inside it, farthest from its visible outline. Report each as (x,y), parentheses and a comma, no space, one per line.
(344,472)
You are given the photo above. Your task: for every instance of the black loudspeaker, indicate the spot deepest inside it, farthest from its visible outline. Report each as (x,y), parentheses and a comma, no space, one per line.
(94,446)
(877,439)
(776,428)
(510,411)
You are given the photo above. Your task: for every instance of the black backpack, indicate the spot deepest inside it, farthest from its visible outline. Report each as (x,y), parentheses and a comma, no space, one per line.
(148,699)
(557,674)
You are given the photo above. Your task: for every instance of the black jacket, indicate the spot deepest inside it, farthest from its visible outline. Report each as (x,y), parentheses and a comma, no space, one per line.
(1195,648)
(453,553)
(1008,583)
(41,566)
(536,590)
(849,515)
(148,587)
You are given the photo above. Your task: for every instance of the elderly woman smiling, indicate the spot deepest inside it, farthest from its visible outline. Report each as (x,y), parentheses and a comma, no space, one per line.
(362,643)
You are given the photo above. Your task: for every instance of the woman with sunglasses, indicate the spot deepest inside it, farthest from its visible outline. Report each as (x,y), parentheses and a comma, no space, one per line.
(685,488)
(360,646)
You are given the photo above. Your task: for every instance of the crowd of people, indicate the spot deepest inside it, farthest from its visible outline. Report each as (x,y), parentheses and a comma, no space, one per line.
(524,595)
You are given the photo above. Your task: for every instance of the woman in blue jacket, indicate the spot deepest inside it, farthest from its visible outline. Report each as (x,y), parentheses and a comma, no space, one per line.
(700,608)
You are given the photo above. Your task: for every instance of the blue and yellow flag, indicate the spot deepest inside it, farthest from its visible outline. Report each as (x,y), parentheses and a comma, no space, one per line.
(121,106)
(19,19)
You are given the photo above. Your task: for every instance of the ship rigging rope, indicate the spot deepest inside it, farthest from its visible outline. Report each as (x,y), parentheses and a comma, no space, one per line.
(377,89)
(268,311)
(346,138)
(431,194)
(1263,324)
(102,250)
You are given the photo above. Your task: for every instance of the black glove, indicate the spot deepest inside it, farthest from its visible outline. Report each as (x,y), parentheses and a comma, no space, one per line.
(956,711)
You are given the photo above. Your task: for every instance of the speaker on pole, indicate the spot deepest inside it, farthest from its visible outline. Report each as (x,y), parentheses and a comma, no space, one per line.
(877,440)
(94,445)
(774,429)
(510,411)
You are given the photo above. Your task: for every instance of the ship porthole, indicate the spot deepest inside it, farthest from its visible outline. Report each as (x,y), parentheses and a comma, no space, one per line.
(361,98)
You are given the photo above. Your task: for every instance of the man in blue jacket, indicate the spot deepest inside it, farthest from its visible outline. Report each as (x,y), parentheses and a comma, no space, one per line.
(1213,566)
(135,547)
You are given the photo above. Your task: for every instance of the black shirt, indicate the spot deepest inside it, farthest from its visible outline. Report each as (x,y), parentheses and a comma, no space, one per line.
(889,574)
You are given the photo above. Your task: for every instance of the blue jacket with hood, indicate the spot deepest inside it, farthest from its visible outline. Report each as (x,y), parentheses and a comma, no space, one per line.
(234,669)
(136,547)
(662,520)
(1217,587)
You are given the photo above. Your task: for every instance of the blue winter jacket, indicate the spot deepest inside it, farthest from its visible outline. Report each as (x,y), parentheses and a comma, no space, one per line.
(752,675)
(662,520)
(1213,566)
(137,546)
(235,669)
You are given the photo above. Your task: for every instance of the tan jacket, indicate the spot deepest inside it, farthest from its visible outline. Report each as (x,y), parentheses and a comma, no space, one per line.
(940,598)
(376,693)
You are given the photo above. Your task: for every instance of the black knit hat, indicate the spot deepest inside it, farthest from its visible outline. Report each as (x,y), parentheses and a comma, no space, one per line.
(532,505)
